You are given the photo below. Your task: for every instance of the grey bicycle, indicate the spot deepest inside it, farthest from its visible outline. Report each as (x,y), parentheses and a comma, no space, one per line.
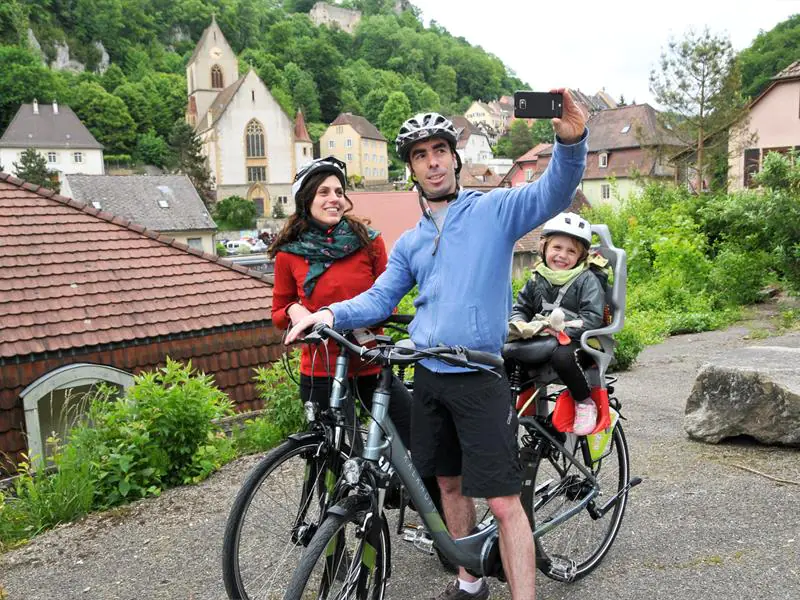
(350,554)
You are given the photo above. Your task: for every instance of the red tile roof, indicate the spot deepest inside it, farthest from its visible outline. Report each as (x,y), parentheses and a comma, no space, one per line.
(391,213)
(300,130)
(363,127)
(74,277)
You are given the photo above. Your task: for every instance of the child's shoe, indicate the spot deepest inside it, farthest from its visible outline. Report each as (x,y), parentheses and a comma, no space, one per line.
(585,417)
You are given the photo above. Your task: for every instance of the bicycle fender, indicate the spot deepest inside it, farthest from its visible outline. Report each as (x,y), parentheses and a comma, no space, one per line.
(306,436)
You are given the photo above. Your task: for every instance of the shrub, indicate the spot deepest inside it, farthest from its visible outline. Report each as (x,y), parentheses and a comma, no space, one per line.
(629,345)
(283,410)
(158,435)
(738,277)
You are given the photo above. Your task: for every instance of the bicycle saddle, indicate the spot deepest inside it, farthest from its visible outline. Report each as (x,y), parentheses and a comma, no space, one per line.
(531,352)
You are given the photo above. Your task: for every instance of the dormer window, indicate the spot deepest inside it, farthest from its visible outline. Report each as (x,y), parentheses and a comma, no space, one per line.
(216,77)
(602,160)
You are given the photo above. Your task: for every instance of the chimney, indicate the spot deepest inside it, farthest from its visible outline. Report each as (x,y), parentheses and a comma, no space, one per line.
(35,106)
(55,107)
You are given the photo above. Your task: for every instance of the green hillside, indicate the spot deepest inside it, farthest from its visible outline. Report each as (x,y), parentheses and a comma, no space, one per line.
(390,66)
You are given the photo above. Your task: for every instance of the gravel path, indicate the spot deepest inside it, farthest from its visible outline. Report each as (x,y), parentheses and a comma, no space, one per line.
(700,526)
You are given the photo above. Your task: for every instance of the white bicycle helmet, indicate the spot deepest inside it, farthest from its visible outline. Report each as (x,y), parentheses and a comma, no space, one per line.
(329,164)
(422,127)
(570,224)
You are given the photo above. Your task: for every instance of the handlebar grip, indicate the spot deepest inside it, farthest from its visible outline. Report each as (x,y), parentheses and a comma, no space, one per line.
(485,358)
(399,319)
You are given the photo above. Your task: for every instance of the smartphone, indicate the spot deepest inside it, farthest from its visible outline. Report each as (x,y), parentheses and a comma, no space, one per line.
(538,105)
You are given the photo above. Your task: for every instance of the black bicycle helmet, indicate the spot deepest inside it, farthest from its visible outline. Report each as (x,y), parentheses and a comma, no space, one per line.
(422,127)
(329,164)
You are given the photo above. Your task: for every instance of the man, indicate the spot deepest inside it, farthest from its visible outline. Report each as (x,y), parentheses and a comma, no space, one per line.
(459,255)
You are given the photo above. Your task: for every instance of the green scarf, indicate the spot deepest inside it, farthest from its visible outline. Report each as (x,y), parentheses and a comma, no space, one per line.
(560,277)
(322,247)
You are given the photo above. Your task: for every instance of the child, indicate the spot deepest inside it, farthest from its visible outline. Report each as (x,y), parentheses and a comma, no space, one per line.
(563,279)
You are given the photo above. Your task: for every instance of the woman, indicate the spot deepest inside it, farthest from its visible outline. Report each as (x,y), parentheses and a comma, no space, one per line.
(323,255)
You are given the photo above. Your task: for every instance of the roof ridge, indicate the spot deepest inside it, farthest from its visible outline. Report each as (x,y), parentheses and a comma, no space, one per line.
(127,224)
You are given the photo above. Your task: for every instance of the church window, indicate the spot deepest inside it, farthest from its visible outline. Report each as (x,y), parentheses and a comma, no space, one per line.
(216,77)
(256,174)
(255,140)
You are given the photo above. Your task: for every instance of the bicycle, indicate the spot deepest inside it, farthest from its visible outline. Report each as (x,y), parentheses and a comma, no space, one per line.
(565,488)
(281,503)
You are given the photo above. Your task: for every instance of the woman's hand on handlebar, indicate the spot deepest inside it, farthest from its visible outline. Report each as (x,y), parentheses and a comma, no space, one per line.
(306,323)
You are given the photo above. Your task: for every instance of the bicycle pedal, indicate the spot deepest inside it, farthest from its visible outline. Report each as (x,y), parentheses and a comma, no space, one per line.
(562,569)
(417,535)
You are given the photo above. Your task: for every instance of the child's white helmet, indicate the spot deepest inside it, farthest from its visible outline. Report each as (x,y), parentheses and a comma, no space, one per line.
(569,224)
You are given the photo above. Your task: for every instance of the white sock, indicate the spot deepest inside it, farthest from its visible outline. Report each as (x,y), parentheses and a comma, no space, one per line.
(471,587)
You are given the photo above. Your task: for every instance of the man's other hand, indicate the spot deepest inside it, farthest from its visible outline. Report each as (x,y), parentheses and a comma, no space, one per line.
(306,323)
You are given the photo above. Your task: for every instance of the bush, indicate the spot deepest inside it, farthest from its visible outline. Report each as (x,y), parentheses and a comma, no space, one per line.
(160,434)
(42,501)
(283,411)
(235,212)
(629,345)
(738,277)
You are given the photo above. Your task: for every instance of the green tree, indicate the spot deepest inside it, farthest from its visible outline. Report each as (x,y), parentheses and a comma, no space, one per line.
(13,22)
(151,149)
(542,132)
(112,78)
(32,167)
(187,157)
(444,82)
(236,212)
(106,116)
(770,53)
(396,110)
(23,77)
(699,83)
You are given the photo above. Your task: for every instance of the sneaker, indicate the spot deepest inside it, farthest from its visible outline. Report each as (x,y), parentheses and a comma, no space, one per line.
(453,592)
(585,418)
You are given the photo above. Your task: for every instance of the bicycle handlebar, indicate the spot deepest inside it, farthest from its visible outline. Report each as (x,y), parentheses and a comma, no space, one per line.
(392,354)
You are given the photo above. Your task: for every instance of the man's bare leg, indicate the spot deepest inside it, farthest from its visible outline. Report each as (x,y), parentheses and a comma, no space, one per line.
(516,546)
(459,512)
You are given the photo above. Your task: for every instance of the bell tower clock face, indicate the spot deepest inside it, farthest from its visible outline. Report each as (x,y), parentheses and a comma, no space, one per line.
(215,53)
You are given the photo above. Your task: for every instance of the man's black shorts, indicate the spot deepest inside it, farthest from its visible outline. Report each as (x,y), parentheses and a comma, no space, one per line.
(464,424)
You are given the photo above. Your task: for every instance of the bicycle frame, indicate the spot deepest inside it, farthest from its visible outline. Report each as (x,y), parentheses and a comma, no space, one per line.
(473,551)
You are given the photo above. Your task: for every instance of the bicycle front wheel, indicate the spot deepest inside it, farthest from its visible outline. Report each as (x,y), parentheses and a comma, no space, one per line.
(574,548)
(275,515)
(348,559)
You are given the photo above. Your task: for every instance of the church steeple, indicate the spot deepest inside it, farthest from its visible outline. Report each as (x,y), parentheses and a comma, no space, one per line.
(212,67)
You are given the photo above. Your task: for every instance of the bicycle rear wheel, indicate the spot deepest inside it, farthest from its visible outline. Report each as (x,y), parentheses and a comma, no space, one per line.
(275,515)
(574,548)
(344,561)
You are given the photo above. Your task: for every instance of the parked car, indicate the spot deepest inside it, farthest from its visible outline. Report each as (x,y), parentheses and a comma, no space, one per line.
(238,247)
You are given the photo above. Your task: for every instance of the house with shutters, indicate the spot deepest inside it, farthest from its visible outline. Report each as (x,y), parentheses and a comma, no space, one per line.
(56,133)
(772,124)
(167,204)
(253,147)
(524,168)
(628,146)
(89,297)
(358,143)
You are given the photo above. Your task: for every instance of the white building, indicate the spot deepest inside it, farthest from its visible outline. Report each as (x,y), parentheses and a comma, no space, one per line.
(252,146)
(473,144)
(57,134)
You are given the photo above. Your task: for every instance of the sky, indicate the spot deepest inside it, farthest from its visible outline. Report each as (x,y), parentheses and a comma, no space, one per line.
(596,44)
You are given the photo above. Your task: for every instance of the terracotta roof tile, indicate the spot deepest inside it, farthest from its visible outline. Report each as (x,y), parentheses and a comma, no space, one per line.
(362,126)
(75,277)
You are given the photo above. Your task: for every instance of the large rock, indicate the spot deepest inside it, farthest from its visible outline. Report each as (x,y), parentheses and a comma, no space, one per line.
(749,391)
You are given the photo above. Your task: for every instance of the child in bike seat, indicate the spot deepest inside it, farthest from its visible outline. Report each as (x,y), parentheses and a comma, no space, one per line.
(562,279)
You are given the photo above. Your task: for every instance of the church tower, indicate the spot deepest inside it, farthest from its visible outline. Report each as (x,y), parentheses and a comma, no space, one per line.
(211,69)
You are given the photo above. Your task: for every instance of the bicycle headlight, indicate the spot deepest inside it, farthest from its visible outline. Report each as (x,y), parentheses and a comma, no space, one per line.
(311,413)
(352,471)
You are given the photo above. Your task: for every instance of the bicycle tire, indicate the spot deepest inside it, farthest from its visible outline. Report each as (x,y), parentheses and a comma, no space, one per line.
(262,545)
(576,547)
(330,569)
